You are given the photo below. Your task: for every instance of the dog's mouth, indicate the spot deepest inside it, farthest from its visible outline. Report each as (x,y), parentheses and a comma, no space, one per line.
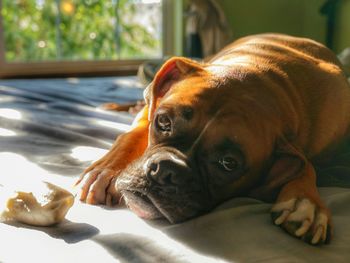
(154,206)
(141,205)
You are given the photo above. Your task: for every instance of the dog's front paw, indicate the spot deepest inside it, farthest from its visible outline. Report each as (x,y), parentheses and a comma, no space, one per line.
(97,186)
(304,219)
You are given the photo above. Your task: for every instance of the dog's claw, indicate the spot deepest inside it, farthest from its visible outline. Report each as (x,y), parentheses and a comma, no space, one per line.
(86,183)
(113,197)
(282,217)
(303,228)
(318,235)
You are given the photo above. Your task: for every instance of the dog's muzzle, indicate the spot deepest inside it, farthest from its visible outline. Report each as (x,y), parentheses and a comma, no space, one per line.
(163,184)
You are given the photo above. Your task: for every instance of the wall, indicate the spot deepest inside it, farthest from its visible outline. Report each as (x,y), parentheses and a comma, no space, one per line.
(342,32)
(294,17)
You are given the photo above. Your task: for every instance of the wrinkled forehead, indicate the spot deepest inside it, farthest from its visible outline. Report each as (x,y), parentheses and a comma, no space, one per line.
(192,90)
(233,130)
(223,127)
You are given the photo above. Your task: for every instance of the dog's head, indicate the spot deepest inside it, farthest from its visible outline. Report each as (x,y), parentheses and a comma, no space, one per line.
(210,138)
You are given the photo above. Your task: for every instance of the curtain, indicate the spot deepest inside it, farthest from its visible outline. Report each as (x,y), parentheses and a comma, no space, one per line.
(207,29)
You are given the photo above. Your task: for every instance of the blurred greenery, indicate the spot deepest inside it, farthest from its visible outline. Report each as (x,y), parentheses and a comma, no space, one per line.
(40,30)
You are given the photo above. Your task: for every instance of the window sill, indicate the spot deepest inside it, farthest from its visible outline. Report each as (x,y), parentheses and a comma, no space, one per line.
(69,68)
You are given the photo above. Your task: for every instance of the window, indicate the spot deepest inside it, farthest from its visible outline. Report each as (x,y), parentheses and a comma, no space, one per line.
(81,36)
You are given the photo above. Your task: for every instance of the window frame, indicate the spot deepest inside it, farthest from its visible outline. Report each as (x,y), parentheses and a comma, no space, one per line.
(172,11)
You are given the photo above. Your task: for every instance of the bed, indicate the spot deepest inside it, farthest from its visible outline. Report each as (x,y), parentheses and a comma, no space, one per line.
(51,129)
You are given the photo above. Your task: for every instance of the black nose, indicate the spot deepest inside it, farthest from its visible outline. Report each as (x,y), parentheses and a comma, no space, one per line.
(167,168)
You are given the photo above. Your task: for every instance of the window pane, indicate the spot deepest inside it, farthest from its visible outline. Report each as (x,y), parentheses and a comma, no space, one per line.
(42,30)
(140,22)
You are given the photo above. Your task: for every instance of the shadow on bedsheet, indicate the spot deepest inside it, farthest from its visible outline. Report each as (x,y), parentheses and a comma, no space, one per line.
(335,169)
(131,248)
(68,231)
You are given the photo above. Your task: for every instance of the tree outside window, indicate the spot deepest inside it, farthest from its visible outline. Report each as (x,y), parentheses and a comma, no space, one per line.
(55,30)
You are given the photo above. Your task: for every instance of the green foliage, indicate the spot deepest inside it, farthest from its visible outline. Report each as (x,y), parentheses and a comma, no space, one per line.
(38,30)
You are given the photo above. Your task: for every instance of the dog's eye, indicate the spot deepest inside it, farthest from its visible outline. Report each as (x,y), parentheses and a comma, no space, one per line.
(163,124)
(229,163)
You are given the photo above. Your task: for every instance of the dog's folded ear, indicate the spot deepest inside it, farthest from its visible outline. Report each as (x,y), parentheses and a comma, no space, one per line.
(172,71)
(287,163)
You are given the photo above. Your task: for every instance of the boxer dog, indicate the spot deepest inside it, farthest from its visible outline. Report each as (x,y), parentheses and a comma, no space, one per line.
(249,122)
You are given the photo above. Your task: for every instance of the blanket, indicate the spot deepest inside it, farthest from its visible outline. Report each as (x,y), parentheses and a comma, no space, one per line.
(51,129)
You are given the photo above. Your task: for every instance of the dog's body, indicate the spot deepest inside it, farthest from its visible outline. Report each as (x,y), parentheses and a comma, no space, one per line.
(247,123)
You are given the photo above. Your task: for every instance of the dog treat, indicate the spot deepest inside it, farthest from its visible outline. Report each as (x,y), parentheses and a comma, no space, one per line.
(47,205)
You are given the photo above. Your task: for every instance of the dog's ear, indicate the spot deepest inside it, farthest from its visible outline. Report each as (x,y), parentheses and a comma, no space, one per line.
(287,163)
(172,71)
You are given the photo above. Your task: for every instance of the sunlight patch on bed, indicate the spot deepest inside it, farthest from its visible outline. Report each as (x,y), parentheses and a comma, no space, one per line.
(73,80)
(127,83)
(6,132)
(10,114)
(87,153)
(6,98)
(20,173)
(115,125)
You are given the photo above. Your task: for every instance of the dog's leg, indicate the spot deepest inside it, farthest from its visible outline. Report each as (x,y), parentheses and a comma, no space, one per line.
(97,181)
(132,108)
(300,211)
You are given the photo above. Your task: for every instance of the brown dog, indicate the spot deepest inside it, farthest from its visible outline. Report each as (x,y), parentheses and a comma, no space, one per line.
(247,123)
